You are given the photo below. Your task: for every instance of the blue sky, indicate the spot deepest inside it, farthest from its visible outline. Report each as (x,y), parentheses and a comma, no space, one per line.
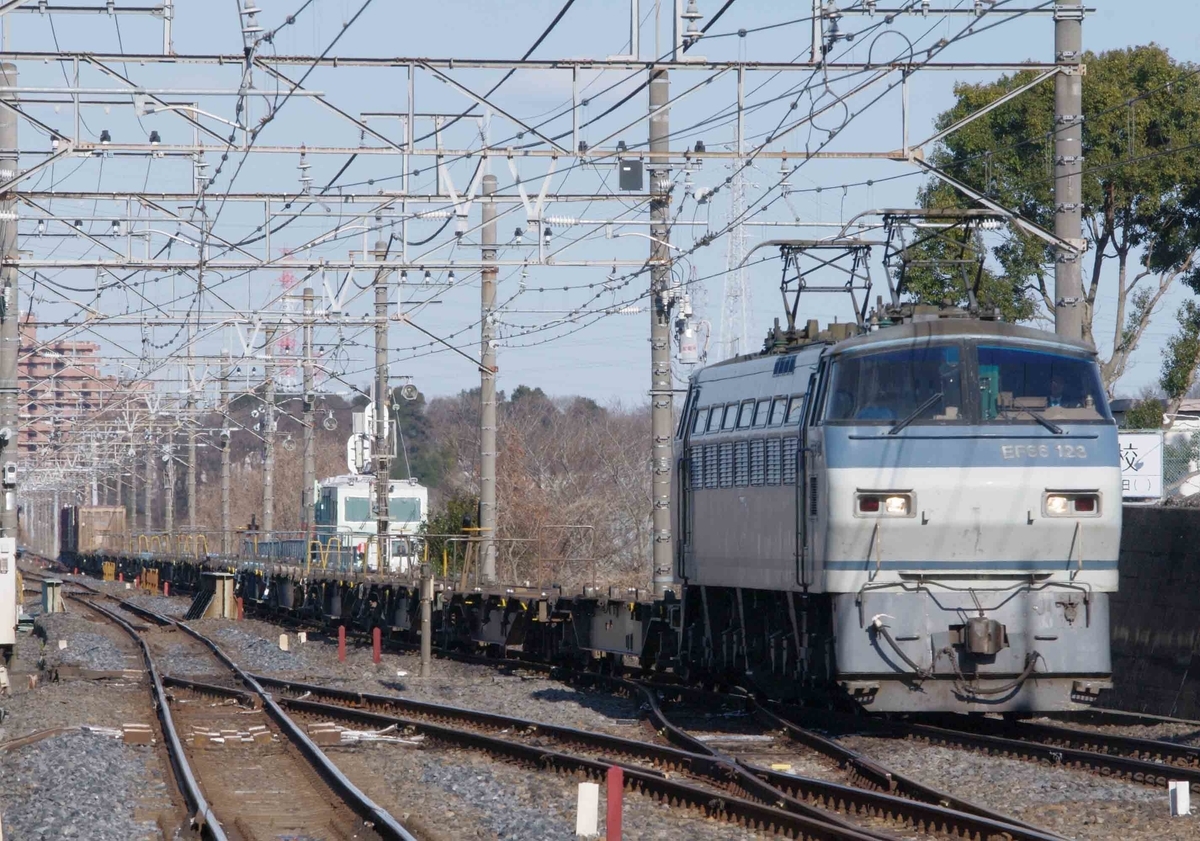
(608,359)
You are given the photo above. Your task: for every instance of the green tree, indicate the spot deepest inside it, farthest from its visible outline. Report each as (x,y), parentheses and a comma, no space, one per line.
(420,456)
(1146,413)
(1141,199)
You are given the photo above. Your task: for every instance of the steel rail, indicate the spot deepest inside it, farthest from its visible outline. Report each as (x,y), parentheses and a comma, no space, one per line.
(862,771)
(928,809)
(202,814)
(374,815)
(1123,767)
(741,810)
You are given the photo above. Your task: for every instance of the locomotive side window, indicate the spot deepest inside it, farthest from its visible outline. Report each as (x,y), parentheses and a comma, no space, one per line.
(795,410)
(746,415)
(897,386)
(731,413)
(714,418)
(1015,383)
(700,422)
(761,411)
(778,411)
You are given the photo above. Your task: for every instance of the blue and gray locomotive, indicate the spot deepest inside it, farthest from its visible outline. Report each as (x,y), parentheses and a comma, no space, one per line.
(922,517)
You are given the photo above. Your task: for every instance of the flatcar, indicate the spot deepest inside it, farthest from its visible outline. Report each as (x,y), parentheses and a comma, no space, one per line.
(925,517)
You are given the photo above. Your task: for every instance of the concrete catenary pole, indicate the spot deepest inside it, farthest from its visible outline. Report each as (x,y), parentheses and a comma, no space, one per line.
(151,487)
(308,493)
(487,392)
(169,496)
(268,414)
(10,338)
(189,417)
(226,442)
(135,520)
(383,404)
(1068,163)
(661,396)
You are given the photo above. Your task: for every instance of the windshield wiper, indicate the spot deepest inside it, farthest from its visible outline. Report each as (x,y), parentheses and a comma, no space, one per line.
(1053,427)
(916,413)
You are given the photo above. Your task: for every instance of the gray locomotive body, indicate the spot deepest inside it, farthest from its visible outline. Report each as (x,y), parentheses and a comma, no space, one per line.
(925,517)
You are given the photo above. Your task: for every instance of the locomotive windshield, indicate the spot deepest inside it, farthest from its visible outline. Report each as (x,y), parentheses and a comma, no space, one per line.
(1014,381)
(925,384)
(914,384)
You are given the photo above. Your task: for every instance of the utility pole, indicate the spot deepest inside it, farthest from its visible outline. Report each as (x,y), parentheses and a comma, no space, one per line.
(169,496)
(135,521)
(268,518)
(189,417)
(308,492)
(487,392)
(383,401)
(10,335)
(226,441)
(1068,164)
(151,473)
(661,396)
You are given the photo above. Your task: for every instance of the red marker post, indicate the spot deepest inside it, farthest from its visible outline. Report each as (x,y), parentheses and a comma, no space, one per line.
(616,796)
(341,643)
(241,609)
(166,588)
(376,645)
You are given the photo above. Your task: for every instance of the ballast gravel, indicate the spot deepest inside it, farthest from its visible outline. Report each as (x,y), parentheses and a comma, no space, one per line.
(451,795)
(85,645)
(1072,803)
(77,785)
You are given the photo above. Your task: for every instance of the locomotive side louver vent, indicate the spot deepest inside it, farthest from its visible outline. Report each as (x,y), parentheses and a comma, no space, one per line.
(710,466)
(773,450)
(790,447)
(725,461)
(757,459)
(812,496)
(696,467)
(741,463)
(784,365)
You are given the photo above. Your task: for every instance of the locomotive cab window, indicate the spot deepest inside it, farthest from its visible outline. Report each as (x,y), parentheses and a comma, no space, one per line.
(1017,383)
(910,385)
(700,422)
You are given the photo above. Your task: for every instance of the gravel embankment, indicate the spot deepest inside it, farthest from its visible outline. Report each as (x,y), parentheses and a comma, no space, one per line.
(1072,803)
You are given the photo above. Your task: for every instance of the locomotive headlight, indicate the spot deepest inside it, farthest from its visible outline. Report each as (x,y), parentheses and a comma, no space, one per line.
(1071,504)
(896,506)
(883,504)
(1057,505)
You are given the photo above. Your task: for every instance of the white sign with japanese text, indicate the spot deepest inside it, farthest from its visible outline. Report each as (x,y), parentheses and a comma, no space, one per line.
(1141,465)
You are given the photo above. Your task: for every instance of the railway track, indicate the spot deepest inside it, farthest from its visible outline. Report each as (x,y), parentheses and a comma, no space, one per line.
(713,793)
(869,790)
(731,783)
(1148,761)
(228,759)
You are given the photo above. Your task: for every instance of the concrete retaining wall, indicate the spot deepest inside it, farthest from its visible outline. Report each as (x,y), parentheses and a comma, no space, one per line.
(1156,614)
